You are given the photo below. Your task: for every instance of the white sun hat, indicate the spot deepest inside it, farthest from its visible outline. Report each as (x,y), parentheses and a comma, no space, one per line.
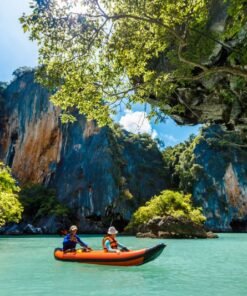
(72,228)
(112,230)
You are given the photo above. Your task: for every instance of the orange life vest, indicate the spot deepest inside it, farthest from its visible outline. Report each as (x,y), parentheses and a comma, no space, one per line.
(112,241)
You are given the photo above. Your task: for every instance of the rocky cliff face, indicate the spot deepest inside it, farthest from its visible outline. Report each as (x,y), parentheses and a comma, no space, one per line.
(99,171)
(221,186)
(91,168)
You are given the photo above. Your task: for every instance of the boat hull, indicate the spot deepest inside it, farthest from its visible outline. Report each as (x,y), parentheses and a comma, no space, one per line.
(131,258)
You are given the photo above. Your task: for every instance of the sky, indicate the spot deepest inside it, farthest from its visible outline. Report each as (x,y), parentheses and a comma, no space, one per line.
(16,50)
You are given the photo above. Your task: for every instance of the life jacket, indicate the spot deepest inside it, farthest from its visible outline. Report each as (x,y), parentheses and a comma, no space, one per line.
(113,242)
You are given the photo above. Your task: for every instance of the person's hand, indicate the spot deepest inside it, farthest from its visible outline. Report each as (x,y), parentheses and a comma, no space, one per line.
(73,239)
(125,249)
(118,251)
(89,249)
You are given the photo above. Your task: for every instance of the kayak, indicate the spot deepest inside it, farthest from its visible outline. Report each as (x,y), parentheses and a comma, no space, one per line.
(130,258)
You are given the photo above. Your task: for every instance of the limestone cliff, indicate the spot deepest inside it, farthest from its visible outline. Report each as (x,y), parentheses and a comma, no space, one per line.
(221,185)
(212,166)
(92,169)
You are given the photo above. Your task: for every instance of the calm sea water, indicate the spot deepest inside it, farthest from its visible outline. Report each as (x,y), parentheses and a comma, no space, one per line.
(186,268)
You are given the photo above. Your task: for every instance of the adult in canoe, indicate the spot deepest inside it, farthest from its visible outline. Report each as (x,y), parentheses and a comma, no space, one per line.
(71,239)
(110,243)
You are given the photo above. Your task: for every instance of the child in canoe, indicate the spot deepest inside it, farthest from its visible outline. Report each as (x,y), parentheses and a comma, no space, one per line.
(110,243)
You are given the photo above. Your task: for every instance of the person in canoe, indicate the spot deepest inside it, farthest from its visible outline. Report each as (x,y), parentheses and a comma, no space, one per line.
(110,243)
(71,239)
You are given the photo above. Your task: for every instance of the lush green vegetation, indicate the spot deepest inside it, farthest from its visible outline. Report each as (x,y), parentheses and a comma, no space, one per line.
(138,50)
(32,202)
(168,203)
(39,202)
(10,206)
(180,164)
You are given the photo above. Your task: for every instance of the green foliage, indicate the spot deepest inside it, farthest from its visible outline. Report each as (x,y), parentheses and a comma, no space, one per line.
(186,168)
(236,27)
(180,164)
(168,203)
(226,96)
(126,194)
(39,202)
(160,143)
(238,17)
(10,206)
(136,50)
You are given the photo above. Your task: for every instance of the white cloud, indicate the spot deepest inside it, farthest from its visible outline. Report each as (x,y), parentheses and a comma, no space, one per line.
(137,123)
(154,134)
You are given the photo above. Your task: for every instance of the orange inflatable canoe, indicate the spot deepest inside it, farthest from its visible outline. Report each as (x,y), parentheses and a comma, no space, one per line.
(130,258)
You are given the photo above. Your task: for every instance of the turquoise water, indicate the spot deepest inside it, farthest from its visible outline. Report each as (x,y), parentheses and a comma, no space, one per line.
(186,267)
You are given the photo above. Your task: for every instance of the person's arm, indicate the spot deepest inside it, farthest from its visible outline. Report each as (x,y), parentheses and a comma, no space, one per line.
(123,247)
(81,242)
(109,248)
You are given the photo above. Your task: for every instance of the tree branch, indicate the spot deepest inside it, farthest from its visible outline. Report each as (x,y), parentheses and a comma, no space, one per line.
(145,19)
(182,45)
(217,70)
